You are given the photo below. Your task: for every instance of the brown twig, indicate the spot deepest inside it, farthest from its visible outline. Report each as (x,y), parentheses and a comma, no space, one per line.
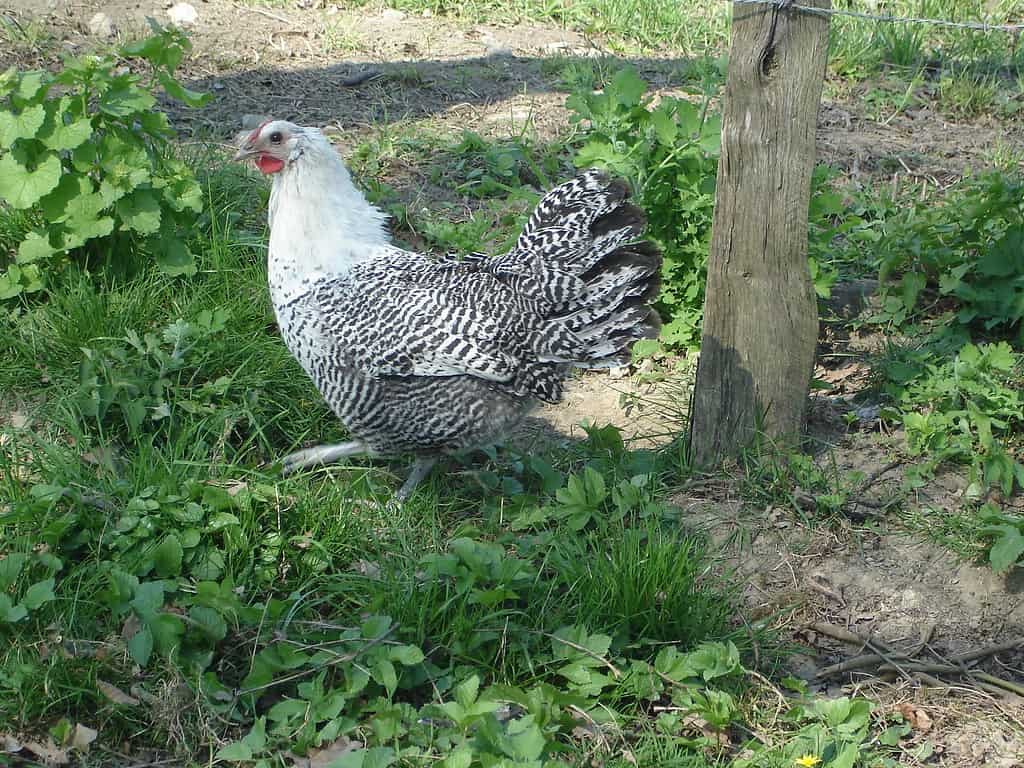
(989,650)
(829,593)
(877,474)
(339,659)
(859,662)
(906,664)
(587,651)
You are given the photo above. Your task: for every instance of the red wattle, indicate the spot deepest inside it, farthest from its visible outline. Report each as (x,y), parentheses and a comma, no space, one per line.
(269,164)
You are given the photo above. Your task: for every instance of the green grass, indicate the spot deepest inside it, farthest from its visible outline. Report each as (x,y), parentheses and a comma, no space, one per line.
(146,541)
(175,506)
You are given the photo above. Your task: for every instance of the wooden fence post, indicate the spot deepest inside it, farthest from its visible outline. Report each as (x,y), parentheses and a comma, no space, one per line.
(760,311)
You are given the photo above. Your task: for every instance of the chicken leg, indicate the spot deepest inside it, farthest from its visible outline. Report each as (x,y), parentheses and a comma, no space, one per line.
(323,454)
(420,469)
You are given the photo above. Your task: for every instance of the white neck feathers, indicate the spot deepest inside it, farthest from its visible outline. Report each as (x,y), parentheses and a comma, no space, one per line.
(320,223)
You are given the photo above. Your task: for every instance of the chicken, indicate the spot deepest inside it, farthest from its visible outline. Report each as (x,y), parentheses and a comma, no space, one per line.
(431,356)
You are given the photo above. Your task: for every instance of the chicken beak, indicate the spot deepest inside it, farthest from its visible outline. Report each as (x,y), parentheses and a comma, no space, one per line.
(245,152)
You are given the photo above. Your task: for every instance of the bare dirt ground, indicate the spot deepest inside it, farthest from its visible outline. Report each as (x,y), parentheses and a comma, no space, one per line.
(360,69)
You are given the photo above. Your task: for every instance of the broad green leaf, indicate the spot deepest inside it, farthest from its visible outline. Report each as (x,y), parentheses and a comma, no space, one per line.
(35,246)
(8,81)
(384,673)
(149,598)
(126,100)
(1000,356)
(181,93)
(67,136)
(39,594)
(664,126)
(174,257)
(1007,548)
(167,556)
(846,758)
(375,757)
(627,88)
(140,646)
(911,285)
(526,738)
(460,758)
(10,568)
(1005,257)
(184,194)
(23,188)
(209,622)
(167,630)
(467,691)
(237,752)
(222,520)
(407,655)
(140,212)
(23,125)
(375,626)
(79,232)
(10,282)
(9,612)
(31,83)
(256,739)
(55,204)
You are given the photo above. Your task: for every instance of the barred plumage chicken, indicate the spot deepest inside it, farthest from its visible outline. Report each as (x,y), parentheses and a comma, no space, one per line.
(428,356)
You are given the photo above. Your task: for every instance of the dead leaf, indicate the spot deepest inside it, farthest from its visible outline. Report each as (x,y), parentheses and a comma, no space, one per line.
(366,568)
(918,719)
(142,694)
(321,758)
(9,745)
(131,626)
(82,737)
(49,752)
(708,731)
(235,487)
(18,419)
(116,695)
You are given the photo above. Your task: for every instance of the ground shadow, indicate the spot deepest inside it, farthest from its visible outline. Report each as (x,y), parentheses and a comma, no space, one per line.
(353,94)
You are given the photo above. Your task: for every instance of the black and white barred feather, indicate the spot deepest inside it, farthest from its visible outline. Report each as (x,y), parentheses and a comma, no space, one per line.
(417,354)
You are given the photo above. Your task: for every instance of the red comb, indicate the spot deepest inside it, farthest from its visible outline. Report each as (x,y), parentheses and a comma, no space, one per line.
(255,134)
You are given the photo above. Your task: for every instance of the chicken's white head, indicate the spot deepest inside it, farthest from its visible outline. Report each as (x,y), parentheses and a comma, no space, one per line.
(274,144)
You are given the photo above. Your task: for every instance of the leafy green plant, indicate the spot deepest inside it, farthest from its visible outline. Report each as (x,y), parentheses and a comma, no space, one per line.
(151,380)
(1007,533)
(482,168)
(964,410)
(669,154)
(964,254)
(13,567)
(85,153)
(491,229)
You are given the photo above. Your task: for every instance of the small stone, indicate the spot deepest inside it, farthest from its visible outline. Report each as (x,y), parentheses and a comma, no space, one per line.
(619,372)
(391,15)
(498,51)
(183,14)
(100,25)
(250,122)
(868,412)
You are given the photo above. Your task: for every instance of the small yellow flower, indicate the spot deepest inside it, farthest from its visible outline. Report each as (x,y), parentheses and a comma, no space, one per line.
(808,761)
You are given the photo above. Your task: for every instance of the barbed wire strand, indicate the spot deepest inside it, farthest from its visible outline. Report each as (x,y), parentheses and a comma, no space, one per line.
(979,26)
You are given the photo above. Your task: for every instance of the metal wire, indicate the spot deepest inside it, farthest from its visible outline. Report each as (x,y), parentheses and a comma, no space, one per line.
(979,26)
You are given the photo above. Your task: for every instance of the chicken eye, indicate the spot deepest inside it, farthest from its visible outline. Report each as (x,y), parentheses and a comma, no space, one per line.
(275,137)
